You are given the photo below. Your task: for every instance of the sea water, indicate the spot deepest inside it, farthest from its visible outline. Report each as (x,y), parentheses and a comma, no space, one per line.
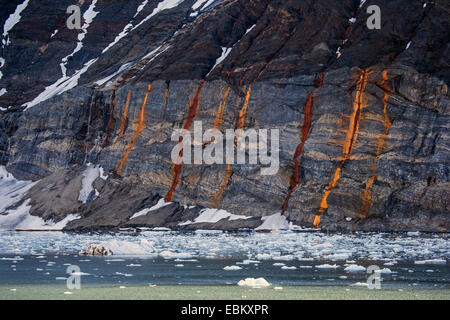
(214,258)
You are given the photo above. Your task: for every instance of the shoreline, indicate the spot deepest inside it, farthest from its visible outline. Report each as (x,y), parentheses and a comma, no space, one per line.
(215,292)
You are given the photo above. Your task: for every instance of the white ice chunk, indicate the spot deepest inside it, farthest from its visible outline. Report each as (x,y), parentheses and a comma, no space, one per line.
(232,268)
(144,247)
(355,268)
(254,283)
(327,266)
(383,271)
(431,261)
(288,268)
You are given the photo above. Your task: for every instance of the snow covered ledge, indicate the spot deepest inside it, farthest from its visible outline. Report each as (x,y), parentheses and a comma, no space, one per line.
(15,208)
(276,222)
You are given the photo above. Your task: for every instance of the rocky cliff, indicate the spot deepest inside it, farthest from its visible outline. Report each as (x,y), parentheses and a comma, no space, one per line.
(363,113)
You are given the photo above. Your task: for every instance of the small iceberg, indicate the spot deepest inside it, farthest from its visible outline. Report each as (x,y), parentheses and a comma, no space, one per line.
(254,283)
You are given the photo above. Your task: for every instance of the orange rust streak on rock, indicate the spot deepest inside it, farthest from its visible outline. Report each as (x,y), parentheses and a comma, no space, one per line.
(306,127)
(124,116)
(381,143)
(111,118)
(218,121)
(240,124)
(243,112)
(140,126)
(354,119)
(295,179)
(358,104)
(219,195)
(177,168)
(266,66)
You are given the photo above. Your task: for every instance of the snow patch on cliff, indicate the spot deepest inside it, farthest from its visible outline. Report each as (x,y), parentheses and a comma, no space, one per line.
(161,204)
(62,85)
(88,17)
(140,8)
(127,28)
(164,5)
(121,69)
(214,215)
(225,53)
(88,192)
(12,190)
(12,20)
(66,83)
(274,222)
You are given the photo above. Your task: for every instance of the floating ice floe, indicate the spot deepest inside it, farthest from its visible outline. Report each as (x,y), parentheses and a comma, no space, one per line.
(384,271)
(355,268)
(167,254)
(288,268)
(327,266)
(278,288)
(264,256)
(144,247)
(338,256)
(360,284)
(431,261)
(254,283)
(232,268)
(247,262)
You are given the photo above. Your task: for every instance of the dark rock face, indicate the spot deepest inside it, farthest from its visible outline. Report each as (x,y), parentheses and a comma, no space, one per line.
(363,114)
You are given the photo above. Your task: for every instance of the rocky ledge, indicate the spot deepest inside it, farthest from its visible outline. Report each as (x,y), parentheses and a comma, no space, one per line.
(86,125)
